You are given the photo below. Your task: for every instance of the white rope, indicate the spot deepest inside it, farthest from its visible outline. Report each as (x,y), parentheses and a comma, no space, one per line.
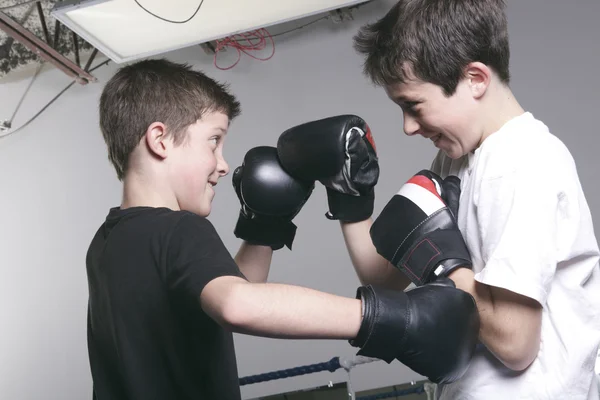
(349,363)
(430,390)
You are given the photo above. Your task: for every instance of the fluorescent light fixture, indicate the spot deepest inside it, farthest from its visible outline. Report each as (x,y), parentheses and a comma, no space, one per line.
(124,31)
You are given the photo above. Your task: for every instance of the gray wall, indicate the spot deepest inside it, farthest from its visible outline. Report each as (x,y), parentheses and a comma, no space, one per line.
(57,185)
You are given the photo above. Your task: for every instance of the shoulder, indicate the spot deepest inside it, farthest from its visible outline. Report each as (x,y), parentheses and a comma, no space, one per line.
(196,255)
(190,227)
(525,147)
(195,237)
(169,223)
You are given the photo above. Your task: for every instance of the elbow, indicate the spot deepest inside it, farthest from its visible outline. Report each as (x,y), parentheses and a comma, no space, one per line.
(519,354)
(227,301)
(519,362)
(234,312)
(513,329)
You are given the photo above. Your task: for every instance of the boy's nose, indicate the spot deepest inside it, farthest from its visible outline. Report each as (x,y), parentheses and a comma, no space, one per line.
(411,126)
(223,167)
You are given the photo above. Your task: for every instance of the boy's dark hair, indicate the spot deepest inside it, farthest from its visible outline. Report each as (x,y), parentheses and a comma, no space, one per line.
(436,39)
(156,90)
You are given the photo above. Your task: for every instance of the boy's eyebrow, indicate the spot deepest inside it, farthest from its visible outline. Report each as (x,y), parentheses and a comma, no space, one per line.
(404,99)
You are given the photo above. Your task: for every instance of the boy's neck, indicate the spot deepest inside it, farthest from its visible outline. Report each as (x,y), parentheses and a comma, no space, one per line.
(146,191)
(501,107)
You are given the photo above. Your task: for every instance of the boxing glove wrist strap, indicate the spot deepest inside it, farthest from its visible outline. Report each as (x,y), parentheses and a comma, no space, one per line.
(272,232)
(431,256)
(349,208)
(431,248)
(383,324)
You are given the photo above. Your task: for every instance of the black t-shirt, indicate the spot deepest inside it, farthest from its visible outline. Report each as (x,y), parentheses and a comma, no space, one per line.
(148,337)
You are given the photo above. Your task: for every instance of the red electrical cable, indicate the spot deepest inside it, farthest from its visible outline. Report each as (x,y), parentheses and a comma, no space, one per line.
(257,40)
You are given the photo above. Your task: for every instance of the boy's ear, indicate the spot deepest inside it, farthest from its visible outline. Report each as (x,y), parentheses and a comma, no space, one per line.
(157,140)
(479,77)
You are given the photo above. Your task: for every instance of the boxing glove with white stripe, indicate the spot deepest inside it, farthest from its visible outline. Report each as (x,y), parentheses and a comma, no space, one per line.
(417,231)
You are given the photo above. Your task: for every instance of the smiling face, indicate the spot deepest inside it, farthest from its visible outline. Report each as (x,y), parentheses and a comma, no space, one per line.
(450,122)
(197,164)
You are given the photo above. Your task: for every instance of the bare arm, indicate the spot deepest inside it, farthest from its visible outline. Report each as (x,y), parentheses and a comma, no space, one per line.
(510,323)
(370,267)
(279,310)
(254,261)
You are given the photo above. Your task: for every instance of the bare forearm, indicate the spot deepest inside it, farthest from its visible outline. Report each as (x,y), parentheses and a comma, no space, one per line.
(464,280)
(287,311)
(510,324)
(370,267)
(254,261)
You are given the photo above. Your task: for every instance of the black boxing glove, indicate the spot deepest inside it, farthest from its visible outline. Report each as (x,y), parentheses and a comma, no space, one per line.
(339,152)
(417,230)
(270,199)
(432,329)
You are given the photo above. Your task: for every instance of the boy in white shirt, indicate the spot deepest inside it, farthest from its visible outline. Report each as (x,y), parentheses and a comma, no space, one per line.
(522,210)
(523,215)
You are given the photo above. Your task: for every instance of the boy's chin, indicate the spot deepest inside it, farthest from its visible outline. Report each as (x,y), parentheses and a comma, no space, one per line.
(453,153)
(200,210)
(203,212)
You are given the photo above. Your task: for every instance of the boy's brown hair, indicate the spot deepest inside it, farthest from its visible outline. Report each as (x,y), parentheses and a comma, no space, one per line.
(156,90)
(436,39)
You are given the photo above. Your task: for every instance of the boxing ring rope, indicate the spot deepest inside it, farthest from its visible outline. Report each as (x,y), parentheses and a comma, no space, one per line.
(333,365)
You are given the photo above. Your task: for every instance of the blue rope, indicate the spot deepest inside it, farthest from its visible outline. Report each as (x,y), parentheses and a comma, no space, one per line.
(331,366)
(395,393)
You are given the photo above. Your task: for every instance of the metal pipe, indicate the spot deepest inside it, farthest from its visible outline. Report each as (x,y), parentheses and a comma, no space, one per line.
(44,50)
(43,22)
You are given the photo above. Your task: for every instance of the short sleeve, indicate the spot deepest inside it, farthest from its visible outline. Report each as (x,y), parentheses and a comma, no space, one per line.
(196,256)
(518,217)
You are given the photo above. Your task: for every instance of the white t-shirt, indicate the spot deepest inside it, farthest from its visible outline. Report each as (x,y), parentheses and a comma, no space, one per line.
(528,227)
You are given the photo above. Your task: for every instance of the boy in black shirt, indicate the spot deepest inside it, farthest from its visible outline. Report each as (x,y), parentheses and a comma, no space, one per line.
(165,295)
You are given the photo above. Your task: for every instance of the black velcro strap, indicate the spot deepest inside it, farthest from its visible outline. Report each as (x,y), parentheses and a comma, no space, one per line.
(272,232)
(349,208)
(435,249)
(384,322)
(419,261)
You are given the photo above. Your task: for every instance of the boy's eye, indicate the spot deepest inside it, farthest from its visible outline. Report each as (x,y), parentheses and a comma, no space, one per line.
(410,107)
